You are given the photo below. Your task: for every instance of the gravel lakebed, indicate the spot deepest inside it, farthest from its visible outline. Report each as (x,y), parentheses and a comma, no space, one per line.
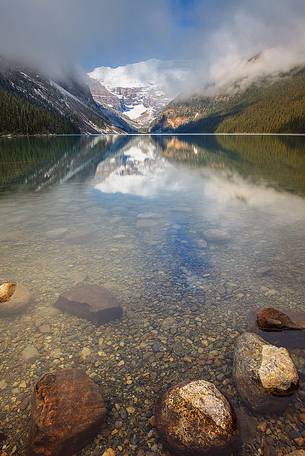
(181,320)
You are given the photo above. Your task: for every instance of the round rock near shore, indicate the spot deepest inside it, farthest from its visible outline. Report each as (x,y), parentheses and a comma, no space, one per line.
(195,418)
(17,298)
(264,374)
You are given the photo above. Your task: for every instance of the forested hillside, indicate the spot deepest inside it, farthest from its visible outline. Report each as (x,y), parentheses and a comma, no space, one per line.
(18,116)
(268,106)
(31,103)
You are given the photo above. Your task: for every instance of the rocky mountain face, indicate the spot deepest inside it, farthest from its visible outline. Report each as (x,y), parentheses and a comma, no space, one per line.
(32,103)
(150,97)
(270,104)
(104,97)
(138,92)
(112,107)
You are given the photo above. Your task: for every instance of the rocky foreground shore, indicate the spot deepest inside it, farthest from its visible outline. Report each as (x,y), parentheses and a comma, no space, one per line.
(69,409)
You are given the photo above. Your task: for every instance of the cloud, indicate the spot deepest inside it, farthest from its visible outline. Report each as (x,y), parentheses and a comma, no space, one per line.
(223,188)
(273,31)
(219,37)
(53,33)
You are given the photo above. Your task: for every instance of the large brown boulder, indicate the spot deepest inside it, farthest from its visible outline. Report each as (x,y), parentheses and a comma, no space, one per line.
(13,298)
(264,374)
(270,319)
(92,302)
(195,419)
(68,410)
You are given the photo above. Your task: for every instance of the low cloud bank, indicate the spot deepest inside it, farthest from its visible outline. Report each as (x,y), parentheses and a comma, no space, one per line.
(218,40)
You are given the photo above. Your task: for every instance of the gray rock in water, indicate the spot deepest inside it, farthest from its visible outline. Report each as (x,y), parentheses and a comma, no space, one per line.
(57,233)
(147,220)
(168,323)
(45,329)
(216,235)
(3,385)
(263,271)
(263,373)
(148,215)
(194,418)
(30,353)
(92,302)
(202,243)
(79,234)
(147,223)
(47,312)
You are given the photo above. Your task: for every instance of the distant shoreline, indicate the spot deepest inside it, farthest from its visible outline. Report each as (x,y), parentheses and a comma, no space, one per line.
(38,135)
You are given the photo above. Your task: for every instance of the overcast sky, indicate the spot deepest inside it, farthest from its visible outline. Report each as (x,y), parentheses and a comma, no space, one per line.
(93,33)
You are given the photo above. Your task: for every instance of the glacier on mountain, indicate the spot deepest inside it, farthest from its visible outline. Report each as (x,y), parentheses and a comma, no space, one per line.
(139,90)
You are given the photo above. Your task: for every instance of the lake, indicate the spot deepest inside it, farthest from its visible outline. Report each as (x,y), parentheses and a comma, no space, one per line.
(191,233)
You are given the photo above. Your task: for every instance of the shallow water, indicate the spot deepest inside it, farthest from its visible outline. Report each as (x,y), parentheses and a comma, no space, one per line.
(134,214)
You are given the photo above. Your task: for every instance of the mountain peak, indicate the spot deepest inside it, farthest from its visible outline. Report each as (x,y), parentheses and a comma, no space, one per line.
(141,89)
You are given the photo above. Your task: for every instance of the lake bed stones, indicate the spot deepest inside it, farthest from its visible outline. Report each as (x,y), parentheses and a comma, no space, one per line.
(264,374)
(68,410)
(91,302)
(194,418)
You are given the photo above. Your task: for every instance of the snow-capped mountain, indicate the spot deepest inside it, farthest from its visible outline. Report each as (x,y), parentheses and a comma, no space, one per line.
(141,90)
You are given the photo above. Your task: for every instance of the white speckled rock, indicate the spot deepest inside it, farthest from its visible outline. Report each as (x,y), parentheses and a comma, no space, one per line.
(263,373)
(195,418)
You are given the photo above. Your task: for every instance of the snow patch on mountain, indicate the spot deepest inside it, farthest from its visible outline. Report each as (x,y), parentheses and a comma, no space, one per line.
(140,90)
(136,111)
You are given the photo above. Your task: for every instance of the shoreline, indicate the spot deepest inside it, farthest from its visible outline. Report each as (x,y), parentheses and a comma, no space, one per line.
(41,135)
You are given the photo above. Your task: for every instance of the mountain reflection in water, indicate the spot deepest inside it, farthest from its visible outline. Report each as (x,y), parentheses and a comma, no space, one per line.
(145,167)
(198,231)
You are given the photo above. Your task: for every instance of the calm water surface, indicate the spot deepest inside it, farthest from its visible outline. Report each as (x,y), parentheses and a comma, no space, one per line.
(135,215)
